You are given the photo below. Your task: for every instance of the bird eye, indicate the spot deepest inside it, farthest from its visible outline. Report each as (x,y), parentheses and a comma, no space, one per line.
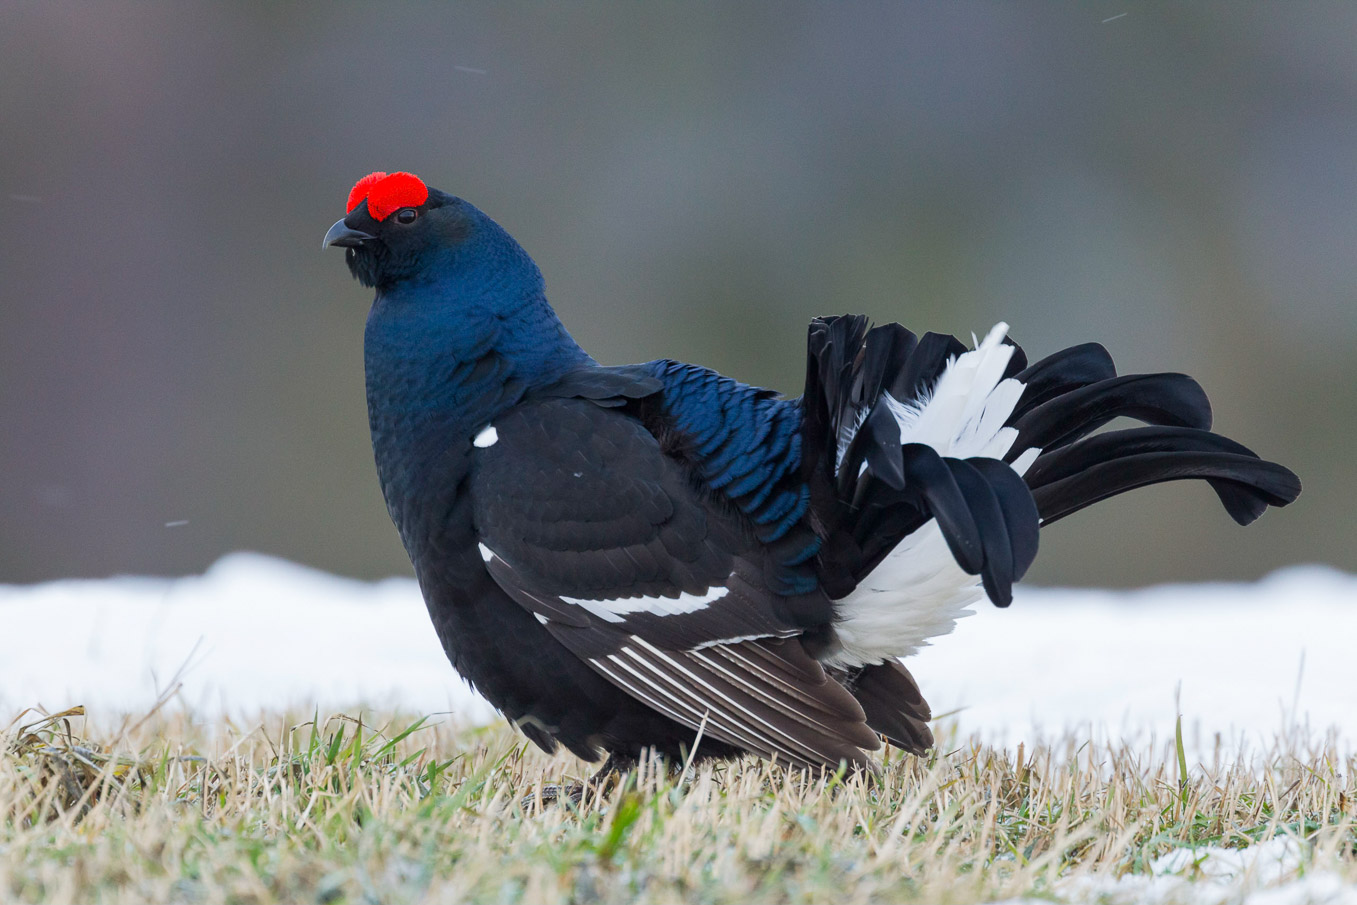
(406,215)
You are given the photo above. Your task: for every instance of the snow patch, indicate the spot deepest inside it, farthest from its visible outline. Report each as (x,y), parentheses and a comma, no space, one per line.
(1269,873)
(252,632)
(255,632)
(1242,660)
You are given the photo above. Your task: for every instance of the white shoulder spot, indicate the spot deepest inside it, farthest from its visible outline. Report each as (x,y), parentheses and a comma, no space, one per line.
(486,553)
(486,438)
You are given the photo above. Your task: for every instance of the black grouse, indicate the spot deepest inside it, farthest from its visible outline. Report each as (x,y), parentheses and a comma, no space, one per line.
(620,557)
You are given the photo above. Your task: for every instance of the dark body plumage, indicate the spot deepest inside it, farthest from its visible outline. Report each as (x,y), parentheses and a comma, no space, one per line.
(619,557)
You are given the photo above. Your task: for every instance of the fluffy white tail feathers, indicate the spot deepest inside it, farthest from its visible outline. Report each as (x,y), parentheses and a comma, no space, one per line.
(916,593)
(963,414)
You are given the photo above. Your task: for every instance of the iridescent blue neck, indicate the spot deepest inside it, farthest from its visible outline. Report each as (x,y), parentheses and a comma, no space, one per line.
(441,363)
(447,349)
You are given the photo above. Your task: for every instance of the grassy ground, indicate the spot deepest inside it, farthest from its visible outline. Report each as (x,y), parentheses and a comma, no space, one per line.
(164,808)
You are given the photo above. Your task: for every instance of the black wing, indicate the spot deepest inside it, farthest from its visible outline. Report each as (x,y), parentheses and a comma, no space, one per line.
(655,583)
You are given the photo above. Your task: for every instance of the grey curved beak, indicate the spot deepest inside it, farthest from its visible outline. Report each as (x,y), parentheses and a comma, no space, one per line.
(345,236)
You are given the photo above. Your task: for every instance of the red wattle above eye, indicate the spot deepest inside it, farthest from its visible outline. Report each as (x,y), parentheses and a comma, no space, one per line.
(387,194)
(361,188)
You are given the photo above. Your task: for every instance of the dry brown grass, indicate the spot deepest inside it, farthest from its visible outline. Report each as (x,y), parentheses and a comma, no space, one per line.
(167,808)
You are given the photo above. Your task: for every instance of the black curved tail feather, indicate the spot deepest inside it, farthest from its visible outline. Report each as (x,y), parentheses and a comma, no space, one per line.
(1175,400)
(1068,369)
(1066,480)
(1020,512)
(1073,395)
(1246,485)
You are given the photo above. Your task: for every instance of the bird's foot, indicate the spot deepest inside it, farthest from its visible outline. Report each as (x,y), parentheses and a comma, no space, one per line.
(613,772)
(553,793)
(614,769)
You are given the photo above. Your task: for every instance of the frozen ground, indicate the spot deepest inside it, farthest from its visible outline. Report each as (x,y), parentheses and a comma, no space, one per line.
(1263,874)
(1244,660)
(253,632)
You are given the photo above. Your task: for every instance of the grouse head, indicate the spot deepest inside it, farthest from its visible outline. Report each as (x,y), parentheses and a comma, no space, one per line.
(452,285)
(397,229)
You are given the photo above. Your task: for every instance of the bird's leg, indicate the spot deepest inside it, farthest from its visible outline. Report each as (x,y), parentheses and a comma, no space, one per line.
(616,766)
(553,793)
(614,769)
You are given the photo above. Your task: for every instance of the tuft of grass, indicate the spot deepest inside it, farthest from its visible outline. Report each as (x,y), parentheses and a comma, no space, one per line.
(388,808)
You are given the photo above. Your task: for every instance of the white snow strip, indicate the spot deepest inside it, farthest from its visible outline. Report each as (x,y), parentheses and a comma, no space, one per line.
(486,438)
(1269,873)
(252,632)
(1244,659)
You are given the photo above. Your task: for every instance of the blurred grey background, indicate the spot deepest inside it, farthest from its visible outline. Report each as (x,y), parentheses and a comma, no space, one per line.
(1176,181)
